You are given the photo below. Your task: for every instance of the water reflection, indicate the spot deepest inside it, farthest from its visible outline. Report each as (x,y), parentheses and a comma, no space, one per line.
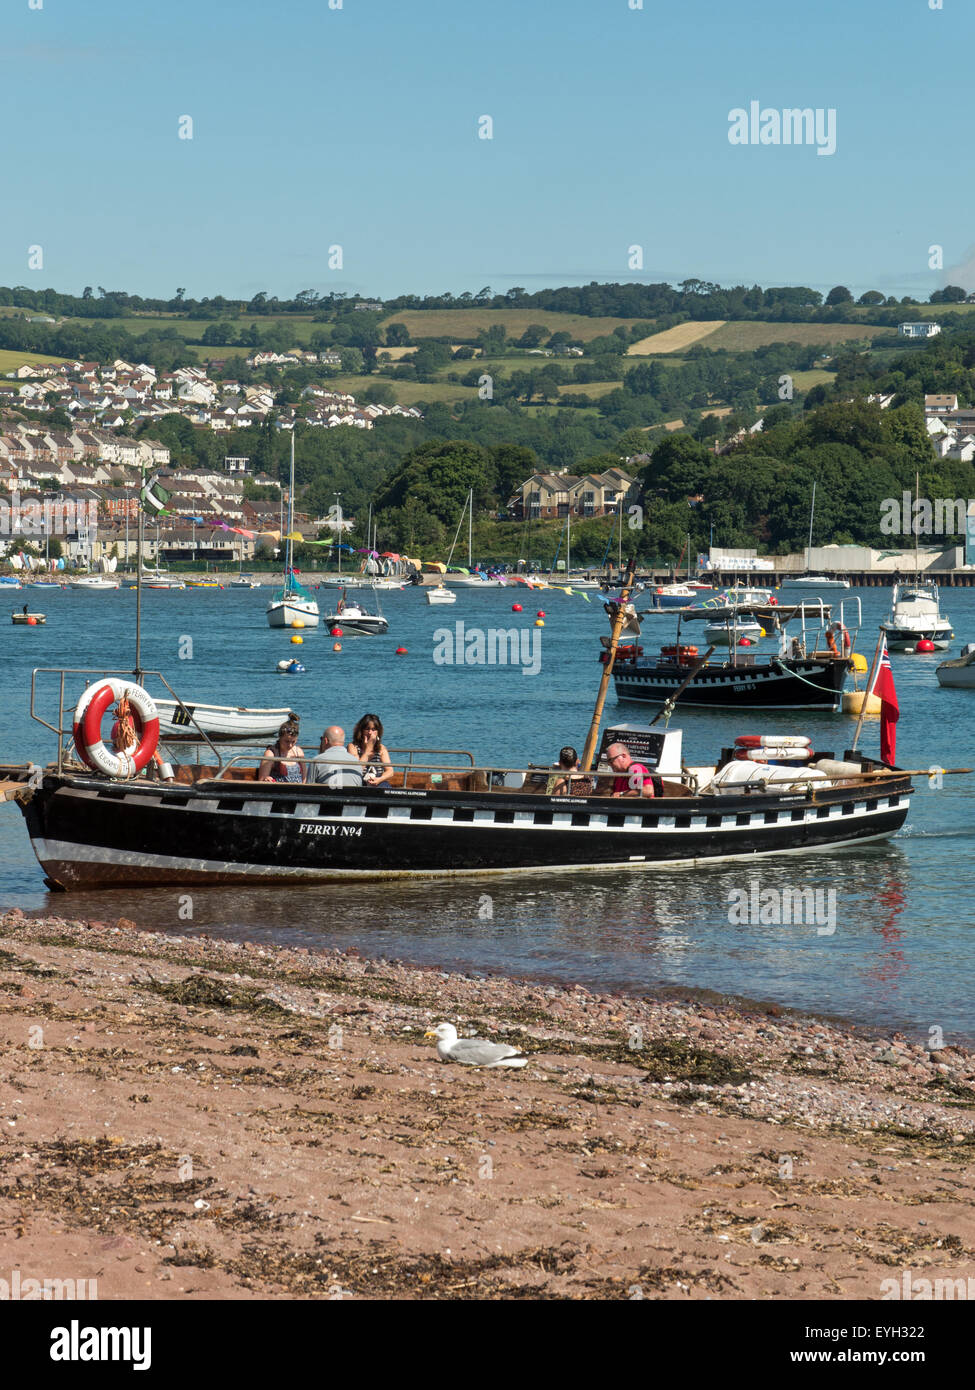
(630,932)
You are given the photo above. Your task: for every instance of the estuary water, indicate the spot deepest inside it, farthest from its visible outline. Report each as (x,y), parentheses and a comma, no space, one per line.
(901,949)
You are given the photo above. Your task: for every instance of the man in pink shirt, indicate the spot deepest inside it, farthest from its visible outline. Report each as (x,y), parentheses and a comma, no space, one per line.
(632,778)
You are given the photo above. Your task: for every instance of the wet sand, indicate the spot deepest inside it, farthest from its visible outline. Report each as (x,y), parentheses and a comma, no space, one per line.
(185,1118)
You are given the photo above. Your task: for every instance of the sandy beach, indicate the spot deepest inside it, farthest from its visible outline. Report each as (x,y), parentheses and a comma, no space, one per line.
(185,1118)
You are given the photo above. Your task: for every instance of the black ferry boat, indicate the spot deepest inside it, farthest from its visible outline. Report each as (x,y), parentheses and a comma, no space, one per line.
(806,672)
(214,823)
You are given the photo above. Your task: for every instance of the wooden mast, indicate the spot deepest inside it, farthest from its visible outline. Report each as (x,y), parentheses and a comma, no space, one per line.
(593,735)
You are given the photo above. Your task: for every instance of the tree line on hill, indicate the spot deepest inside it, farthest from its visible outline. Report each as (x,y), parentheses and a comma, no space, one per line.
(695,297)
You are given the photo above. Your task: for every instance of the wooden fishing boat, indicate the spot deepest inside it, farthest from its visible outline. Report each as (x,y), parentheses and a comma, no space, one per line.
(95,818)
(805,672)
(215,824)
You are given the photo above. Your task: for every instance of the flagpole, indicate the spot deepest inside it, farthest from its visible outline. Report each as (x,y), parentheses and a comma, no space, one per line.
(869,690)
(138,583)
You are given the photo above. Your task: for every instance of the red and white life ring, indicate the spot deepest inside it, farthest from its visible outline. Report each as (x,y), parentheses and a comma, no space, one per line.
(87,728)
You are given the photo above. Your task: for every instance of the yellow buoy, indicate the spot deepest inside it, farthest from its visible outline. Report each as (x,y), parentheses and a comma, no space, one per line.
(859,664)
(763,632)
(297,641)
(853,702)
(539,622)
(298,622)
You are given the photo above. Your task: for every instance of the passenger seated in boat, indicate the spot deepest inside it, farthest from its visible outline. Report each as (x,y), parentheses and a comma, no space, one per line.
(564,782)
(632,778)
(335,766)
(281,761)
(367,745)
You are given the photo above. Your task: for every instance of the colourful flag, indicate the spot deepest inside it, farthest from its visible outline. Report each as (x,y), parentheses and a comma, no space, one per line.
(889,709)
(154,497)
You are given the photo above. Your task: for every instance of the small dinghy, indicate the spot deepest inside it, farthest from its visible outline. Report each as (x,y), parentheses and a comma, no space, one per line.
(960,673)
(220,723)
(26,619)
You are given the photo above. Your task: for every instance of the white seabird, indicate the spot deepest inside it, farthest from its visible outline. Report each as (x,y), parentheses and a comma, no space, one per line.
(473,1052)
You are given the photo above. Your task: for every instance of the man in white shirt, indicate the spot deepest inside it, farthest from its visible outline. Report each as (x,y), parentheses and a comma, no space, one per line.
(335,766)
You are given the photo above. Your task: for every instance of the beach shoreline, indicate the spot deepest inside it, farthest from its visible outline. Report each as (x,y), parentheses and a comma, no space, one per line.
(184,1117)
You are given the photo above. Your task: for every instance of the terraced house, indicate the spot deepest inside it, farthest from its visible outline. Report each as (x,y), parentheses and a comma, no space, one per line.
(547,495)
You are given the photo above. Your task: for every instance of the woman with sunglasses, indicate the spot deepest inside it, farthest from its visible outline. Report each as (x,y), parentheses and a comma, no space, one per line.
(282,760)
(367,744)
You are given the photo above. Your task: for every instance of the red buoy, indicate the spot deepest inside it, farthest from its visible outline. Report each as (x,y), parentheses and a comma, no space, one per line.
(516,608)
(925,645)
(32,621)
(335,632)
(541,613)
(401,651)
(744,641)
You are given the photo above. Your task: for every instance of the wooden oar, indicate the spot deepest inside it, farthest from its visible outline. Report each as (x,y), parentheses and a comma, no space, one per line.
(916,772)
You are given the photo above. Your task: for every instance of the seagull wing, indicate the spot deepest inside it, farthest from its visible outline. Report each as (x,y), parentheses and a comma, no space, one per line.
(477,1052)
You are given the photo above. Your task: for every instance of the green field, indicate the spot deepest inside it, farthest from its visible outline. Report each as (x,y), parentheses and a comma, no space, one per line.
(595,389)
(745,337)
(406,392)
(805,381)
(467,323)
(11,359)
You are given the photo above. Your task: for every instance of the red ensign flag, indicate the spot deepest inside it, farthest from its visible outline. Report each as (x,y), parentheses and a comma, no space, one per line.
(889,710)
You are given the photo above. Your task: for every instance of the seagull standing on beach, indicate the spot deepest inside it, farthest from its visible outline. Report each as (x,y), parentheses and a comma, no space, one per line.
(473,1052)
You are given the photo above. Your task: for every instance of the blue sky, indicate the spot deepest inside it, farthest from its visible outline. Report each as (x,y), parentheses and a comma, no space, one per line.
(358,127)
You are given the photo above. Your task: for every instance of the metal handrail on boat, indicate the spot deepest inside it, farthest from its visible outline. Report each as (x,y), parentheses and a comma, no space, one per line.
(96,673)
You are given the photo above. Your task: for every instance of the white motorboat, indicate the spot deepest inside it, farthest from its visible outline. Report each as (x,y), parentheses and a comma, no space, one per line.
(674,595)
(354,618)
(728,634)
(389,584)
(813,581)
(95,582)
(440,594)
(292,604)
(223,723)
(915,615)
(245,581)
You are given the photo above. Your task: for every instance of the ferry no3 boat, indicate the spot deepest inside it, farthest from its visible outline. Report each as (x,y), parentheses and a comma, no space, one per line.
(806,671)
(214,823)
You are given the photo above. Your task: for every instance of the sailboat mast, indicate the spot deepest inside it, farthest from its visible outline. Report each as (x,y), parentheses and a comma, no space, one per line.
(291,514)
(470,527)
(812,512)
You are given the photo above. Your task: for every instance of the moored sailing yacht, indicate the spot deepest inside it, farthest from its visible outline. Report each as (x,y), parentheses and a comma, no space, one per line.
(293,603)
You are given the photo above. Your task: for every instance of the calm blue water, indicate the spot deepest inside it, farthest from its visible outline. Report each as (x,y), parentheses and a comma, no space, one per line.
(904,944)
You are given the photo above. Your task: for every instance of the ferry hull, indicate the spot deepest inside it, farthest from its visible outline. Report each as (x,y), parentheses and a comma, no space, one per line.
(87,833)
(800,685)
